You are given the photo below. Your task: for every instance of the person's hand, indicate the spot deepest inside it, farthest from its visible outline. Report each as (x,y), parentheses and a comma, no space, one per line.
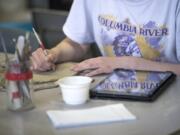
(96,66)
(42,62)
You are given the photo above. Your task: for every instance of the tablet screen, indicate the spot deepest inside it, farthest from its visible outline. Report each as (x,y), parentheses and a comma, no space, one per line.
(132,83)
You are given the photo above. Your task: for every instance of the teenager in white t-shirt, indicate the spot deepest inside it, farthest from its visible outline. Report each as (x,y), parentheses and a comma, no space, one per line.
(131,34)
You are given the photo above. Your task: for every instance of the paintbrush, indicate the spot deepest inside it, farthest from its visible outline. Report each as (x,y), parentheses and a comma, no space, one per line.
(40,42)
(42,46)
(20,54)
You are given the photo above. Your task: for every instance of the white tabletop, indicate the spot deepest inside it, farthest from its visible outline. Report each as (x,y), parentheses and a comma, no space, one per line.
(160,117)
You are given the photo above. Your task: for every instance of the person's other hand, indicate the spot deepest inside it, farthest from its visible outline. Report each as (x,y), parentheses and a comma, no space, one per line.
(96,66)
(42,62)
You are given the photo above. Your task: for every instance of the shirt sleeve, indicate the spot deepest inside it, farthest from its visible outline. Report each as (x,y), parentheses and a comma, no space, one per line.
(78,26)
(178,32)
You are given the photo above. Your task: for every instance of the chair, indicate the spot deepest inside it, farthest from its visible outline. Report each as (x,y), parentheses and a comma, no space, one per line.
(38,4)
(10,36)
(48,24)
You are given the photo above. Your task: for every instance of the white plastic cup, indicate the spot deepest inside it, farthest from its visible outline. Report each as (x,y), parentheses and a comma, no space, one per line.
(75,89)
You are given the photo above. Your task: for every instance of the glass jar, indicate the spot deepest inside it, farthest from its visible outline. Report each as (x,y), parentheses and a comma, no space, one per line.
(18,86)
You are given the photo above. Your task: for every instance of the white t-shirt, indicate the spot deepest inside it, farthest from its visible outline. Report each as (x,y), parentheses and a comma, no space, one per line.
(141,28)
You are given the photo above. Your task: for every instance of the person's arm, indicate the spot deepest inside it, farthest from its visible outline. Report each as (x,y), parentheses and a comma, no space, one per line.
(67,50)
(148,65)
(108,64)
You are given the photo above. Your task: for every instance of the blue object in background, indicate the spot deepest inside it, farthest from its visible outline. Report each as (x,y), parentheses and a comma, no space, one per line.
(27,26)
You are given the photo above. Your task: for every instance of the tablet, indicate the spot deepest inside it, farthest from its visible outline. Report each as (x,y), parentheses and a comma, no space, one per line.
(133,85)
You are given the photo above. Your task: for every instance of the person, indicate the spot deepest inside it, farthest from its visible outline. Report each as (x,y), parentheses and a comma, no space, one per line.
(131,34)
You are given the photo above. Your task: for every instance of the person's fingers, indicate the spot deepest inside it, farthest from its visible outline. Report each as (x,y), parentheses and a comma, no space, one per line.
(98,71)
(40,62)
(94,72)
(43,68)
(87,64)
(53,67)
(38,57)
(50,58)
(35,67)
(33,64)
(84,72)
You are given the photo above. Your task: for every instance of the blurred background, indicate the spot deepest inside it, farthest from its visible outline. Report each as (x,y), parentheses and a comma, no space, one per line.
(46,16)
(19,12)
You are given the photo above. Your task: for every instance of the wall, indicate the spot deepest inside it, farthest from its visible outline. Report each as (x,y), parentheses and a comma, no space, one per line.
(14,11)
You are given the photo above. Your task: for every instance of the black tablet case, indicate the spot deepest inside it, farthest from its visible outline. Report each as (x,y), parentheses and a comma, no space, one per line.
(162,86)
